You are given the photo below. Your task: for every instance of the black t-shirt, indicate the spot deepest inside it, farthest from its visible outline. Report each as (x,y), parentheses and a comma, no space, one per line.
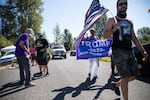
(122,37)
(40,44)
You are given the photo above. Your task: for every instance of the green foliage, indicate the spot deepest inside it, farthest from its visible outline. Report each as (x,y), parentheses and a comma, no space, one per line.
(145,39)
(143,31)
(57,35)
(144,35)
(20,14)
(4,42)
(67,38)
(105,59)
(30,14)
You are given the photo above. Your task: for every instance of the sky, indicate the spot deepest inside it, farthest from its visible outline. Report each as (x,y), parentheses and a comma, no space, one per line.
(70,14)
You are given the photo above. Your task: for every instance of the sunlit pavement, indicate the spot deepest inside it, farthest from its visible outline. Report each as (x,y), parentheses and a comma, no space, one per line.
(68,81)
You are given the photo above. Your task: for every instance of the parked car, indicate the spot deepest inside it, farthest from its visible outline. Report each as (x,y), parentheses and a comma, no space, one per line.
(8,48)
(59,51)
(145,66)
(8,57)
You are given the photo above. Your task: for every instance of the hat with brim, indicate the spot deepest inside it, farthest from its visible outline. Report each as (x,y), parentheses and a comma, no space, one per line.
(30,31)
(92,30)
(39,34)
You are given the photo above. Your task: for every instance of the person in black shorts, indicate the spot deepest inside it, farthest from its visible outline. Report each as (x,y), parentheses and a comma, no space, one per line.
(41,47)
(123,57)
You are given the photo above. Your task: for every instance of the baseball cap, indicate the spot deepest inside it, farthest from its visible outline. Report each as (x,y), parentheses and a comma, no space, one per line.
(31,32)
(39,34)
(92,29)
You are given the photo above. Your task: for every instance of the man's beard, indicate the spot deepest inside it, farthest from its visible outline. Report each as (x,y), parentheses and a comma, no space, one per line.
(122,15)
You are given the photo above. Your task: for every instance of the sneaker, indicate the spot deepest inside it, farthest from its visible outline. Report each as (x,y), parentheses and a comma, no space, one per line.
(88,79)
(115,88)
(38,74)
(94,79)
(30,85)
(46,74)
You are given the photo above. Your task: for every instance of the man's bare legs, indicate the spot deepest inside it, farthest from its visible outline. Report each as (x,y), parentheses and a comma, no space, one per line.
(45,69)
(124,85)
(40,68)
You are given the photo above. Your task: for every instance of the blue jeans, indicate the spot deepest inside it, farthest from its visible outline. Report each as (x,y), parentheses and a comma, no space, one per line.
(24,68)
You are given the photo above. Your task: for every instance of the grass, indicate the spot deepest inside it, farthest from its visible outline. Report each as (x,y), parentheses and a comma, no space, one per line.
(2,67)
(105,59)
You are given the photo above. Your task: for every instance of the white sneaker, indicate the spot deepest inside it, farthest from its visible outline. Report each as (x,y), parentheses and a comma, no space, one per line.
(30,85)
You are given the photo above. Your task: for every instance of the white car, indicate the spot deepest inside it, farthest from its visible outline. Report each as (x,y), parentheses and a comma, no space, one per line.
(8,57)
(59,50)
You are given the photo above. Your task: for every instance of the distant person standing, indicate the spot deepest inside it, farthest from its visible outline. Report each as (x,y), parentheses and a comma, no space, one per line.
(42,56)
(93,62)
(22,53)
(33,55)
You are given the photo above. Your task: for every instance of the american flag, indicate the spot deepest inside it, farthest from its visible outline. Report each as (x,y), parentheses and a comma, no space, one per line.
(94,12)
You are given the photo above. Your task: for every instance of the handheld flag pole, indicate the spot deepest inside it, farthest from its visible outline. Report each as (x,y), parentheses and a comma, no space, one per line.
(95,12)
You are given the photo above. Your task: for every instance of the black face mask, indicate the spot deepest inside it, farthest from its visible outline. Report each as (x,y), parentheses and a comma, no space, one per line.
(122,15)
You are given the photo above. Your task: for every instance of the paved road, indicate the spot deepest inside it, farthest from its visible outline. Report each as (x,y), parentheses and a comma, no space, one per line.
(67,81)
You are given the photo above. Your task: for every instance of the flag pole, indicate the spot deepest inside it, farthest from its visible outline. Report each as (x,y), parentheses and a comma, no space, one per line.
(120,36)
(113,16)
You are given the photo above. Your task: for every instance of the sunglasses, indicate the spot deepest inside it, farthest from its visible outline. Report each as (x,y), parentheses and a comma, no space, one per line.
(122,3)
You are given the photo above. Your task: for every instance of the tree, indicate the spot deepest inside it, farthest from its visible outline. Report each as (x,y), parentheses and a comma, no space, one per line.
(67,39)
(8,20)
(144,35)
(4,42)
(29,15)
(57,35)
(143,31)
(20,14)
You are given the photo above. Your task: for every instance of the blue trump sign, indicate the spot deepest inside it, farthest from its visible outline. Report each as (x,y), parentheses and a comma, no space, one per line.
(92,48)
